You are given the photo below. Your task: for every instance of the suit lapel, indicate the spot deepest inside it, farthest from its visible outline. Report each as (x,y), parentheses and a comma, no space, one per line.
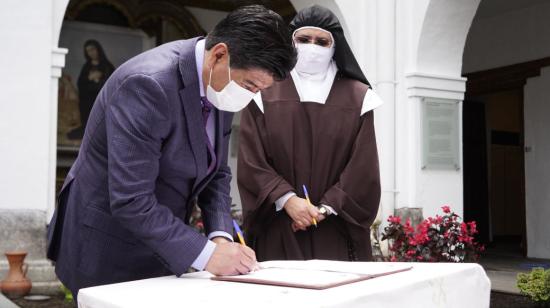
(190,100)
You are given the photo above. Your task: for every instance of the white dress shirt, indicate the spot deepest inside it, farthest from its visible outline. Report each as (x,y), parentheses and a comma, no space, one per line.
(203,258)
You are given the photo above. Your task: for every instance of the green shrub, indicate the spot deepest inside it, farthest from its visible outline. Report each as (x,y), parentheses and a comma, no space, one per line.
(68,294)
(535,284)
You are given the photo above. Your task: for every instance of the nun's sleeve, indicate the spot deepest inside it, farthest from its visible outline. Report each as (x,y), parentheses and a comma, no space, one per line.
(356,195)
(259,184)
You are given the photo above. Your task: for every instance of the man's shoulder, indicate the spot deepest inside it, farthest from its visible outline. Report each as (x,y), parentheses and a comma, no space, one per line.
(160,63)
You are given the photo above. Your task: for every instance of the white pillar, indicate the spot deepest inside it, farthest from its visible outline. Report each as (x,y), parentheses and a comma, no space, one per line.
(31,64)
(385,115)
(537,166)
(58,62)
(432,35)
(431,188)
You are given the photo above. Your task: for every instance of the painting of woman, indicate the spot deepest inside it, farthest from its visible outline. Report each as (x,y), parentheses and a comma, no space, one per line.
(95,71)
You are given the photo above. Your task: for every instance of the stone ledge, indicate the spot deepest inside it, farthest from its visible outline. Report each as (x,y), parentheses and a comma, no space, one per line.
(23,230)
(26,230)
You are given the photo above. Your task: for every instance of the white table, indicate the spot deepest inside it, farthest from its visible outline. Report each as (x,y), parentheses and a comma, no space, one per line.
(425,285)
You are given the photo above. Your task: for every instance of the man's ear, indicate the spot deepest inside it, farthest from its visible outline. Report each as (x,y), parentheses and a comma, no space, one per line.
(217,54)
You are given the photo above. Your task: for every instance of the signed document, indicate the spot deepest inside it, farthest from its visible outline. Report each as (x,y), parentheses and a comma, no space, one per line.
(315,274)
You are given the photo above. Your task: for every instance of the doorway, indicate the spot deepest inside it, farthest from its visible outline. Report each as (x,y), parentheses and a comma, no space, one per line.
(494,168)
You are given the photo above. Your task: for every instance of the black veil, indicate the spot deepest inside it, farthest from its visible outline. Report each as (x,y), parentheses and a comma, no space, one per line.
(318,16)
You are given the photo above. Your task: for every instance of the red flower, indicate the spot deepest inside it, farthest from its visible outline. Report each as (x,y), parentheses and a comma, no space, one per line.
(473,227)
(432,239)
(394,220)
(463,228)
(420,238)
(408,228)
(465,239)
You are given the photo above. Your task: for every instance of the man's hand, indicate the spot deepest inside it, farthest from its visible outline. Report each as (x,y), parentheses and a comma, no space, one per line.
(301,212)
(231,259)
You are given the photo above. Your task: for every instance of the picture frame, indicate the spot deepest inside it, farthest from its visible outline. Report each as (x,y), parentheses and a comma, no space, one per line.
(114,46)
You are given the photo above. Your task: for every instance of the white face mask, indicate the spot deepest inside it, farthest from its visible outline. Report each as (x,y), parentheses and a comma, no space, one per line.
(313,59)
(231,98)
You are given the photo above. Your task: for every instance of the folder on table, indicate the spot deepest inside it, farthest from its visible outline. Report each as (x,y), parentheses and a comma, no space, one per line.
(315,274)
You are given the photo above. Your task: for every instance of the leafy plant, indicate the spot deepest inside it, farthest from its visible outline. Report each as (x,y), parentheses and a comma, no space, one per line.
(441,239)
(68,294)
(535,284)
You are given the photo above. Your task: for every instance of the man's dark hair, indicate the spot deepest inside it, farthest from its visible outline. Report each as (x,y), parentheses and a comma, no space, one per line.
(256,38)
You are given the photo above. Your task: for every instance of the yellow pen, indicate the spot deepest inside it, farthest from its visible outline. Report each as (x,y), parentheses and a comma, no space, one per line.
(309,202)
(239,232)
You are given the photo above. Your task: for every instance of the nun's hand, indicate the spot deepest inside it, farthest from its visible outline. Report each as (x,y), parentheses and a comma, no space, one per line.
(300,211)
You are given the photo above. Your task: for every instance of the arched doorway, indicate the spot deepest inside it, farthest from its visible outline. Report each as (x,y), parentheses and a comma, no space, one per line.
(433,76)
(503,126)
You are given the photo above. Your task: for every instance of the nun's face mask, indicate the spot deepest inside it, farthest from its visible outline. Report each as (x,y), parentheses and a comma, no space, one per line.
(315,47)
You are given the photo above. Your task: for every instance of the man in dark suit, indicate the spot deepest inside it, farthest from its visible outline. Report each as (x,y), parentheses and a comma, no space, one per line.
(156,142)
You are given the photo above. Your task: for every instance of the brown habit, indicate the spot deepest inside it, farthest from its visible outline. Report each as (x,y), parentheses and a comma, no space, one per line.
(332,150)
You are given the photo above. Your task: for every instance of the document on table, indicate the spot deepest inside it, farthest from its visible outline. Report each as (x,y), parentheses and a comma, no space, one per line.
(315,274)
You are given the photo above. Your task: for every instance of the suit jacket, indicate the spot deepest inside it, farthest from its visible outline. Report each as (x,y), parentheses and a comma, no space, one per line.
(125,204)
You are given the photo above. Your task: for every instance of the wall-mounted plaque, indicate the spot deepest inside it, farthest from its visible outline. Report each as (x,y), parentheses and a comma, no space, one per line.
(440,135)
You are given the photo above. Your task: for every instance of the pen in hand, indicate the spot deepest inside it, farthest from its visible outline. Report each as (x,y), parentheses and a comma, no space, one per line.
(309,202)
(241,240)
(239,232)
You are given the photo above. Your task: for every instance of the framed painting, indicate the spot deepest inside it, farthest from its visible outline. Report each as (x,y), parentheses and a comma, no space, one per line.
(95,51)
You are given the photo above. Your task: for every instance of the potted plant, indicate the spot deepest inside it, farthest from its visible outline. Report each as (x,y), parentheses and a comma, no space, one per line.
(444,238)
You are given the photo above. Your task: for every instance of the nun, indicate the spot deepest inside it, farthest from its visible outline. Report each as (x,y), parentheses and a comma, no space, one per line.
(314,132)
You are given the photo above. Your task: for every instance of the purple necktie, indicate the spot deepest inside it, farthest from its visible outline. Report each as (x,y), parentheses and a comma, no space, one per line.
(206,108)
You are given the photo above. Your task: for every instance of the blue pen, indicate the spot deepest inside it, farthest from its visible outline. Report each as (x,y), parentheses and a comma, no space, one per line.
(239,232)
(309,202)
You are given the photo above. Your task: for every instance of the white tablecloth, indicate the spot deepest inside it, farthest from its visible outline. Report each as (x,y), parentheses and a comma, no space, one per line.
(425,285)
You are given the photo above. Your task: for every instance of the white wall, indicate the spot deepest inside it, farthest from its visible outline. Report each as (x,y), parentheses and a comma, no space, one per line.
(429,42)
(537,164)
(207,19)
(443,36)
(25,58)
(509,38)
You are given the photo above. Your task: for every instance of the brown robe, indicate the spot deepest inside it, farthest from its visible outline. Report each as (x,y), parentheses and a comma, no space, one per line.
(332,150)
